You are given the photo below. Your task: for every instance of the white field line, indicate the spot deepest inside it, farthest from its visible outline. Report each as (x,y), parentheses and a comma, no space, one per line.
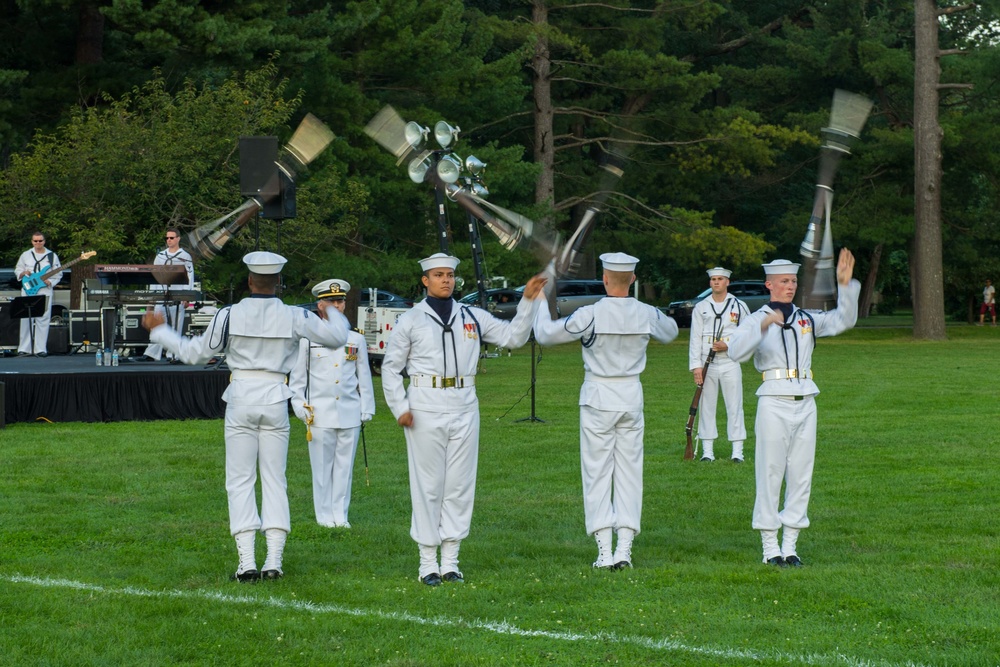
(496,627)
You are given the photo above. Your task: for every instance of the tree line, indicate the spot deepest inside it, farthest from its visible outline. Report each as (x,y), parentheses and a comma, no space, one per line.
(120,118)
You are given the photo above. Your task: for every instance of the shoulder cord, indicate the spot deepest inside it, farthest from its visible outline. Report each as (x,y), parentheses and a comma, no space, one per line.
(223,335)
(585,341)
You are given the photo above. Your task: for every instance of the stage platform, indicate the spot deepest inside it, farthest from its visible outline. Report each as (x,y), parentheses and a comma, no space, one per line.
(72,388)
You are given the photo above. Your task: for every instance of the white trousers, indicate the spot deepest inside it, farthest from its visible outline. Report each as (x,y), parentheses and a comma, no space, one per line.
(331,454)
(443,454)
(611,453)
(257,434)
(728,376)
(175,314)
(41,325)
(786,450)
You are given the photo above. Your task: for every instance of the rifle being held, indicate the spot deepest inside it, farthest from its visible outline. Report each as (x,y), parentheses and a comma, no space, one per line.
(692,413)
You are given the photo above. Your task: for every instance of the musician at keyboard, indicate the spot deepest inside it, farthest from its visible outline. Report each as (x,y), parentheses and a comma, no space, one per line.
(173,254)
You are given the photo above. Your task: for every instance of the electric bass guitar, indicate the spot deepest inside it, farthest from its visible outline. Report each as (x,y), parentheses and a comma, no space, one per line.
(36,281)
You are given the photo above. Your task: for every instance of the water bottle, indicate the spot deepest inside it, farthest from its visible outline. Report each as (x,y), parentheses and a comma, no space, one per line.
(100,360)
(114,358)
(107,357)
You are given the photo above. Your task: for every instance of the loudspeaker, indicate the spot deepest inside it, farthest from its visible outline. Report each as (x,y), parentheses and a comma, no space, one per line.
(58,342)
(259,167)
(85,327)
(281,207)
(10,330)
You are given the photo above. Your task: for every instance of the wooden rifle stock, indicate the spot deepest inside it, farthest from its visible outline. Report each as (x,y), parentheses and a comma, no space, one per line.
(689,449)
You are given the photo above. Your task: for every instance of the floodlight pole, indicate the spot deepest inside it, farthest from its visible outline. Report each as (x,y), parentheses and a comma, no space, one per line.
(477,259)
(442,218)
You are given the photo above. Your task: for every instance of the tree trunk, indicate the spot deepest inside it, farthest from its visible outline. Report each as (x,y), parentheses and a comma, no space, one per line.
(544,149)
(90,35)
(868,288)
(927,269)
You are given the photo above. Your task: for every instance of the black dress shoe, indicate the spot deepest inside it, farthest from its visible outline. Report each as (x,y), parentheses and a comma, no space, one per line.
(794,561)
(432,579)
(705,458)
(43,354)
(777,561)
(248,577)
(271,574)
(736,460)
(453,577)
(622,565)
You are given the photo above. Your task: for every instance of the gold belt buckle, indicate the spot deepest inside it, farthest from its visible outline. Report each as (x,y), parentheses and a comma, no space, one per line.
(448,382)
(793,373)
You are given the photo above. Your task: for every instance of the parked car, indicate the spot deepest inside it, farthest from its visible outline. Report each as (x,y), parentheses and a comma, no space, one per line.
(384,299)
(500,302)
(571,294)
(751,292)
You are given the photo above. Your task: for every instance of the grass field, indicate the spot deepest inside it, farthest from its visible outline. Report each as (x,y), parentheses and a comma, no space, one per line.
(114,548)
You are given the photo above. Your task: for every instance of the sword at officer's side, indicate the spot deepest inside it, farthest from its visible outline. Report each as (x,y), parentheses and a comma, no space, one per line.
(364,451)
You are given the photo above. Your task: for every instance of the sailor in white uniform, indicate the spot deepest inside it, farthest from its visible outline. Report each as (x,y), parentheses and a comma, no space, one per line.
(333,395)
(175,312)
(37,259)
(614,333)
(260,338)
(438,343)
(781,338)
(713,320)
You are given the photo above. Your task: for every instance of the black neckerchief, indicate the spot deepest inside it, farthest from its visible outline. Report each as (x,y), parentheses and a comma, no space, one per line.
(786,309)
(443,309)
(440,306)
(717,324)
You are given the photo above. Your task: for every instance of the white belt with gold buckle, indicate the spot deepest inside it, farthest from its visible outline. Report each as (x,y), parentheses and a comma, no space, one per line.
(437,382)
(786,374)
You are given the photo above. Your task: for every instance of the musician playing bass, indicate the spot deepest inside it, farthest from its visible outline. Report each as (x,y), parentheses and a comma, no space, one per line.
(38,260)
(174,311)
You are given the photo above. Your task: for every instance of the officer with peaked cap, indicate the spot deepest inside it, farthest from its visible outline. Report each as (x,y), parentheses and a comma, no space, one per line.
(781,338)
(438,343)
(260,338)
(332,394)
(614,333)
(713,320)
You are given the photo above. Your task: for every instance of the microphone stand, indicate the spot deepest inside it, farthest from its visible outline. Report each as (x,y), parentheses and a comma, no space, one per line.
(532,418)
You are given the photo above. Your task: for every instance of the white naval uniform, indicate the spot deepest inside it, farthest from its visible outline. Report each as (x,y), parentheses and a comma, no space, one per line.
(337,383)
(713,321)
(175,312)
(614,333)
(786,408)
(31,263)
(443,442)
(263,342)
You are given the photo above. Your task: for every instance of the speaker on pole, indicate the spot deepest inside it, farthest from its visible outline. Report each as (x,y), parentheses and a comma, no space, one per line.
(259,167)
